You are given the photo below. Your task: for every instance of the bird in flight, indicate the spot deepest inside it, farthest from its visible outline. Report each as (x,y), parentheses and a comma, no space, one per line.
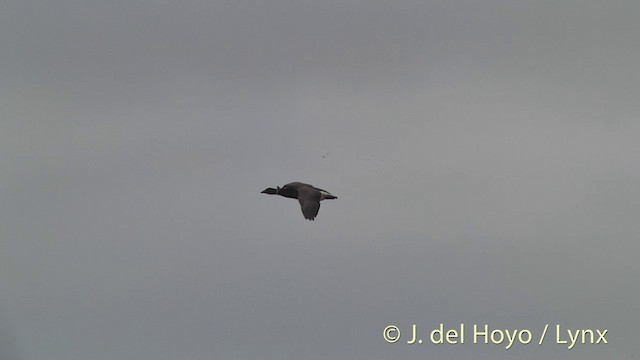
(308,196)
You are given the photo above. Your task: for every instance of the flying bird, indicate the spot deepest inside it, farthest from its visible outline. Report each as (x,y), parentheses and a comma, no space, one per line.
(308,196)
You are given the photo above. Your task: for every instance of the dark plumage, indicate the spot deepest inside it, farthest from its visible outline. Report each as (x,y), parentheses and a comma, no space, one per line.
(308,196)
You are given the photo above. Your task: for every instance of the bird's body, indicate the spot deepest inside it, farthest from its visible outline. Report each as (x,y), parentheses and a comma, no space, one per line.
(308,196)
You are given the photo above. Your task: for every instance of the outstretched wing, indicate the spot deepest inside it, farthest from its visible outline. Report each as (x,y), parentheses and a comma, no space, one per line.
(310,209)
(309,202)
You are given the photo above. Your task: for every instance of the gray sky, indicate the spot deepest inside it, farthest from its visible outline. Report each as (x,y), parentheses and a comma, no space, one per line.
(485,156)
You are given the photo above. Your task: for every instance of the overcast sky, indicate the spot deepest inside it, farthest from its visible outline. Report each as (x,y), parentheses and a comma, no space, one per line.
(484,154)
